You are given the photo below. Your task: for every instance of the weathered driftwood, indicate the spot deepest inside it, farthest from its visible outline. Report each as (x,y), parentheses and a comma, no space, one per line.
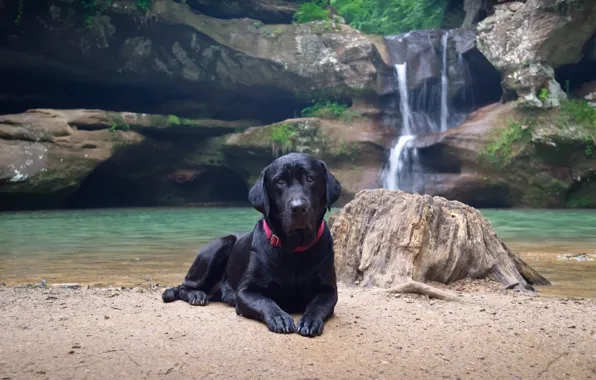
(390,238)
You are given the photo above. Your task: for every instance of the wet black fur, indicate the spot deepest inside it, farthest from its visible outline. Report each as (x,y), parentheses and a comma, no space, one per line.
(263,282)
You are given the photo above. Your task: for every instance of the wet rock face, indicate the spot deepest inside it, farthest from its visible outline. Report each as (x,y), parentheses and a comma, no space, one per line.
(183,55)
(42,158)
(506,156)
(423,50)
(527,40)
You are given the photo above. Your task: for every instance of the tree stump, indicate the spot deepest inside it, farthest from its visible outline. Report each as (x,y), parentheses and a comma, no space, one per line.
(388,238)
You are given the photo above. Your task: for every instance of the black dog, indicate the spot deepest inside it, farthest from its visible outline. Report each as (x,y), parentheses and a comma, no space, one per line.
(286,264)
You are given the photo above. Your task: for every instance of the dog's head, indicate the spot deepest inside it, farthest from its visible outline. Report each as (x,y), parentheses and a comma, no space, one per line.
(293,193)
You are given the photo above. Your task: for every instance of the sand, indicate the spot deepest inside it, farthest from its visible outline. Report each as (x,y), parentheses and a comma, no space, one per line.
(130,334)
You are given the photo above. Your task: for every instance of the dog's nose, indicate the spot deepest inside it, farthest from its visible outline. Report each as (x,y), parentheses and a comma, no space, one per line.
(299,206)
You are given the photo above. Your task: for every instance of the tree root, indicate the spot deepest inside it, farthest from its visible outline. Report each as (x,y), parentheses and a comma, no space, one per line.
(422,289)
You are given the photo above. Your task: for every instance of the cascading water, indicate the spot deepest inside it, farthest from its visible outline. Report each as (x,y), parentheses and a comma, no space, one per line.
(444,83)
(419,117)
(396,159)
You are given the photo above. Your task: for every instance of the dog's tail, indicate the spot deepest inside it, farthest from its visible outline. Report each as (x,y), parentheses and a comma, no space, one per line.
(206,271)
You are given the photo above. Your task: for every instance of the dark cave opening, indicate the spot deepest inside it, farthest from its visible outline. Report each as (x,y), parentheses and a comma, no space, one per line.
(483,86)
(573,76)
(582,193)
(263,11)
(160,173)
(24,90)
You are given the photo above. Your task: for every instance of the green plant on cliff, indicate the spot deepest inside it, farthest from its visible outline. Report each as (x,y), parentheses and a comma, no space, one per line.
(312,11)
(119,125)
(283,134)
(501,149)
(173,120)
(543,94)
(580,112)
(388,17)
(589,149)
(576,201)
(19,15)
(92,8)
(325,110)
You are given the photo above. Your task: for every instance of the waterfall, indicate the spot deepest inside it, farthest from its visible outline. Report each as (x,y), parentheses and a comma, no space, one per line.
(444,83)
(403,170)
(396,161)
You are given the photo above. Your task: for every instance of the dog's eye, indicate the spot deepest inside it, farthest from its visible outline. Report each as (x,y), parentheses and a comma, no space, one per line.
(280,181)
(309,178)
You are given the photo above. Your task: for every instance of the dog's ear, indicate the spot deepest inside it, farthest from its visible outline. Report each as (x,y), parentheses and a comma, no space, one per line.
(332,187)
(257,196)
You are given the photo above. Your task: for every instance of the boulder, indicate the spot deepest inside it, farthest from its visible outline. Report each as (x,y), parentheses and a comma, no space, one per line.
(506,156)
(386,238)
(535,86)
(45,154)
(545,31)
(527,40)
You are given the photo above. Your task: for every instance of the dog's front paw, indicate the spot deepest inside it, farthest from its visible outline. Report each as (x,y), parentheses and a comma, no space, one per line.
(280,322)
(197,298)
(170,295)
(310,326)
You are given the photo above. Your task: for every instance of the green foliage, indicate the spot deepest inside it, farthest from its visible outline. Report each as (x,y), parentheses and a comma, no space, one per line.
(589,149)
(500,150)
(284,134)
(257,24)
(312,11)
(580,111)
(144,4)
(325,110)
(19,15)
(119,125)
(543,94)
(173,120)
(389,17)
(576,201)
(90,8)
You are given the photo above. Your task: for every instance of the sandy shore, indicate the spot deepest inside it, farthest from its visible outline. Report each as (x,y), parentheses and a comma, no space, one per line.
(130,334)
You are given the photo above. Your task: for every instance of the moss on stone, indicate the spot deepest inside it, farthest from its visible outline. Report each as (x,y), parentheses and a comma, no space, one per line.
(506,143)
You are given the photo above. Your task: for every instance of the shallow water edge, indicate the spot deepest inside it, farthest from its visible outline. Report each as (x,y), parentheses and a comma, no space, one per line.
(135,247)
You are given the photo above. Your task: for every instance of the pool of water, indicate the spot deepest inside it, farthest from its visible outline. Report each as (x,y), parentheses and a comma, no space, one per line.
(131,247)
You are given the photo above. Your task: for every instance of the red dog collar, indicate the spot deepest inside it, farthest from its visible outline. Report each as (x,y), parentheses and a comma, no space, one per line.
(276,241)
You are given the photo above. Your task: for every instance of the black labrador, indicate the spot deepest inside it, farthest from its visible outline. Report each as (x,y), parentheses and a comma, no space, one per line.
(286,264)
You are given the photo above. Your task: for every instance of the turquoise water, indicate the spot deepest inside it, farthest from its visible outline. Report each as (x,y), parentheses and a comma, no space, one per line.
(134,246)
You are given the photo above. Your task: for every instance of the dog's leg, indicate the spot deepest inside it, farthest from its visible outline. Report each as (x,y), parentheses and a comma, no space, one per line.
(204,274)
(251,303)
(228,295)
(321,307)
